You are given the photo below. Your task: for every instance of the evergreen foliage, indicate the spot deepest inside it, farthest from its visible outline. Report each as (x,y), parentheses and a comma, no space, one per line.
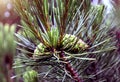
(65,40)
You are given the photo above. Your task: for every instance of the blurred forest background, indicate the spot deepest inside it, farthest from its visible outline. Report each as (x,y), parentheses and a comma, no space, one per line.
(7,13)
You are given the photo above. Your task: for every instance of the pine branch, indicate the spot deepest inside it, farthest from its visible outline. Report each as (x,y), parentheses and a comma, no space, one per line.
(70,33)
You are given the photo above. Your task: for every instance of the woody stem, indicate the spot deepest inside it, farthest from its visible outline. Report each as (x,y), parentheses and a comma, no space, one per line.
(69,68)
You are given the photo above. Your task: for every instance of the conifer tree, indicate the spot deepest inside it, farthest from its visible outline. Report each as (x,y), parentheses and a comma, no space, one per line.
(62,39)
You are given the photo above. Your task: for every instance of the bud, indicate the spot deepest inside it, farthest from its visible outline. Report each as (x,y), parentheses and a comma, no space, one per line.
(99,9)
(53,37)
(39,49)
(30,76)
